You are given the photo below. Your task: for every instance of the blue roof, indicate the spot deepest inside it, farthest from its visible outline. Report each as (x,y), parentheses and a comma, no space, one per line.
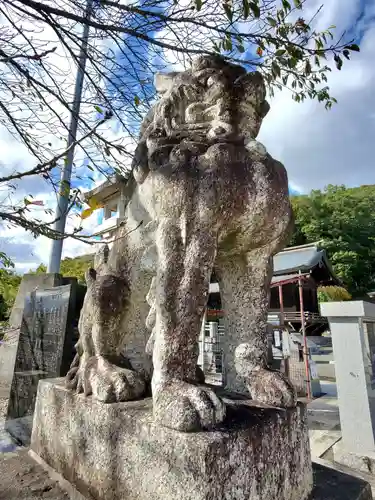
(303,258)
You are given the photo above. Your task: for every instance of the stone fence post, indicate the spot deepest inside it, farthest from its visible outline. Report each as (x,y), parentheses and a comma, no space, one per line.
(352,326)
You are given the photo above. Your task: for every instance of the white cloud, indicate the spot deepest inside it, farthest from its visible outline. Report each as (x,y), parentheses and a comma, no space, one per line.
(320,147)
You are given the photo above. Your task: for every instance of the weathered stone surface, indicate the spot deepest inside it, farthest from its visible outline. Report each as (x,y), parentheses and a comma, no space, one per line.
(31,353)
(8,354)
(363,462)
(332,484)
(353,338)
(211,196)
(116,451)
(29,283)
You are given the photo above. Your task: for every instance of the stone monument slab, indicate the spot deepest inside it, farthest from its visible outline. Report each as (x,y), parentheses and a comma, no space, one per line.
(33,352)
(258,453)
(29,283)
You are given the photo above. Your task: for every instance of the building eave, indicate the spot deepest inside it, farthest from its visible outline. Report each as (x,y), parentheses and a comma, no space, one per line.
(109,189)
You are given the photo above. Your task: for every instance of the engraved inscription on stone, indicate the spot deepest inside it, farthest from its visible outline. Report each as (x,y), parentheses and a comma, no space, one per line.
(50,317)
(39,353)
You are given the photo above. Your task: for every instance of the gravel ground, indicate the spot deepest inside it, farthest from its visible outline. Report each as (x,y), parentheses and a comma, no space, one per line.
(22,479)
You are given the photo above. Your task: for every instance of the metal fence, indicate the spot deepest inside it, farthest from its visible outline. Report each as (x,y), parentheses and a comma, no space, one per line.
(211,351)
(210,357)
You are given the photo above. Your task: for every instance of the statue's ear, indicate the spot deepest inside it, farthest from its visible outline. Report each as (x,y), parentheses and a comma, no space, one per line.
(140,167)
(164,81)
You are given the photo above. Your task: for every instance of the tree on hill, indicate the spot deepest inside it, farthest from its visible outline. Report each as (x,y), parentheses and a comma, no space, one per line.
(343,220)
(9,283)
(128,42)
(72,267)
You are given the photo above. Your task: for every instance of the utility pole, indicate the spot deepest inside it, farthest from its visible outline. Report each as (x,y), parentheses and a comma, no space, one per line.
(305,347)
(64,189)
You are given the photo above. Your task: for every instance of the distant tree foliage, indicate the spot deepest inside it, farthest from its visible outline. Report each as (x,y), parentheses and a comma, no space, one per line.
(333,294)
(9,283)
(75,268)
(343,220)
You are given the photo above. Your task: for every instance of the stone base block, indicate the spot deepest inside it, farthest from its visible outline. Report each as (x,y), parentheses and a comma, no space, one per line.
(363,462)
(333,484)
(115,452)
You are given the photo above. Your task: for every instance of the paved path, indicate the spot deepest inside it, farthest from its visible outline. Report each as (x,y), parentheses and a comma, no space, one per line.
(324,420)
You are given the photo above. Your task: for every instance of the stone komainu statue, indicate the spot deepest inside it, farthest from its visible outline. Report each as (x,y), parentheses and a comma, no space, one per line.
(214,198)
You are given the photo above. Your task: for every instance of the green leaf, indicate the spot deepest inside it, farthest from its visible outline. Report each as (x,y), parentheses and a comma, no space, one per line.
(198,4)
(241,49)
(346,53)
(136,100)
(272,21)
(338,61)
(292,62)
(353,47)
(280,52)
(298,4)
(286,5)
(216,47)
(98,109)
(90,168)
(229,12)
(246,8)
(308,68)
(255,9)
(276,68)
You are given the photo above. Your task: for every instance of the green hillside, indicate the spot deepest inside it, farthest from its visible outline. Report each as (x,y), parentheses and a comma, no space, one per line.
(343,219)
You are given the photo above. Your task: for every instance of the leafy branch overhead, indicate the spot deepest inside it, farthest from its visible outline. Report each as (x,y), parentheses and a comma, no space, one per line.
(129,41)
(291,54)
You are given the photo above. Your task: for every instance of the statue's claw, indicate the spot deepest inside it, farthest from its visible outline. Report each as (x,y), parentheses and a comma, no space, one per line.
(105,381)
(186,407)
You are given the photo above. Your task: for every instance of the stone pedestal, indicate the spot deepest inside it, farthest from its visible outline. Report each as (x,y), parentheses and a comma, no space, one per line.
(352,326)
(115,452)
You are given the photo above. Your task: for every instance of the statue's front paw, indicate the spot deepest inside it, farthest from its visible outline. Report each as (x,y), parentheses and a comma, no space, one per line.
(112,384)
(105,381)
(186,407)
(271,387)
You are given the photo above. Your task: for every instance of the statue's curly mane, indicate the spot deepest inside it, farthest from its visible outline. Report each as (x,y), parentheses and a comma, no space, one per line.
(198,108)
